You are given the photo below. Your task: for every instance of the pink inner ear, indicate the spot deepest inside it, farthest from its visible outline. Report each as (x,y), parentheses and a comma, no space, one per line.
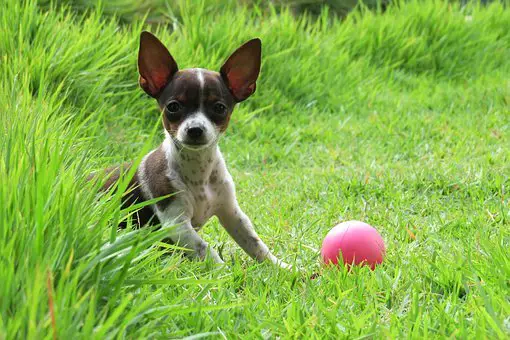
(160,78)
(249,90)
(238,84)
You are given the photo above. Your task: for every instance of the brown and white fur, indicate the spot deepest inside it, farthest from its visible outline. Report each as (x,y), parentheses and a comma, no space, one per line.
(196,107)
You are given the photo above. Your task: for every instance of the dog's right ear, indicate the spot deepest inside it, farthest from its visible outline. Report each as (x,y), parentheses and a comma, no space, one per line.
(241,70)
(155,65)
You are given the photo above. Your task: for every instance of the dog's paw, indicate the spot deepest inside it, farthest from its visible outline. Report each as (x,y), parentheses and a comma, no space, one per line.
(214,256)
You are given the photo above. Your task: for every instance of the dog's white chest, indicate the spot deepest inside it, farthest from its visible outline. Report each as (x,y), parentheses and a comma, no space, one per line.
(201,182)
(202,198)
(206,197)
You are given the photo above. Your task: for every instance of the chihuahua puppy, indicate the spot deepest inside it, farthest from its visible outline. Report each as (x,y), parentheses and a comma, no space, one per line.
(196,106)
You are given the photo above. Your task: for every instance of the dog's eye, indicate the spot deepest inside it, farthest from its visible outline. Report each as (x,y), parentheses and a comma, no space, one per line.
(219,109)
(173,106)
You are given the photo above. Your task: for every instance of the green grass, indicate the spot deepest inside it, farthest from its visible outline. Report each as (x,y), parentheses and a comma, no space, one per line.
(399,119)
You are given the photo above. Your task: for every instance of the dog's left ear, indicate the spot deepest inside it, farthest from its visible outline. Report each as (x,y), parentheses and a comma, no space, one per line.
(241,70)
(155,64)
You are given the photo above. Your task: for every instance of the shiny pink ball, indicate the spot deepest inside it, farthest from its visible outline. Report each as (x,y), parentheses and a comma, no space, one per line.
(358,242)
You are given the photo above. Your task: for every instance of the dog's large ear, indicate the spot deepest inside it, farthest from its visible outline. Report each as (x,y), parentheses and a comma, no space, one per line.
(155,64)
(241,70)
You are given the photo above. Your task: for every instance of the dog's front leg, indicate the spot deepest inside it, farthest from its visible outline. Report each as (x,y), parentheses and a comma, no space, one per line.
(239,226)
(183,235)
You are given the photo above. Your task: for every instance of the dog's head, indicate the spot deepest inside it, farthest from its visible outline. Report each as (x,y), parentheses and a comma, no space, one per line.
(197,103)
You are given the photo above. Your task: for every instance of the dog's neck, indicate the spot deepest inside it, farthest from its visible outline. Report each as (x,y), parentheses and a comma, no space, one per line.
(194,166)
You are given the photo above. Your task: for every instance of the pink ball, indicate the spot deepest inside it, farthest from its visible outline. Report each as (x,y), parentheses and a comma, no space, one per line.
(358,242)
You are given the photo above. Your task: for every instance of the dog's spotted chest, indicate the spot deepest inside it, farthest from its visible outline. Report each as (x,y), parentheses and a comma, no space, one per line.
(202,204)
(199,178)
(206,198)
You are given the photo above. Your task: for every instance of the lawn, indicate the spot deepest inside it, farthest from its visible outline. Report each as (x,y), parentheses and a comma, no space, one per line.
(400,119)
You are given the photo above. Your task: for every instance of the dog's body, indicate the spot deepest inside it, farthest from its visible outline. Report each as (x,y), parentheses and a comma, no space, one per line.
(188,165)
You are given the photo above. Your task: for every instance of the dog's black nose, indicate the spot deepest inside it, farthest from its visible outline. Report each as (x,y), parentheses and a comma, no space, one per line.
(195,132)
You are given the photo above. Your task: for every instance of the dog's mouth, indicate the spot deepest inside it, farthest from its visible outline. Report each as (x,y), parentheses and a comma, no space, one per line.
(194,145)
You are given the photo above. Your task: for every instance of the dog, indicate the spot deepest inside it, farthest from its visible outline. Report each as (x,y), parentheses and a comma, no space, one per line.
(188,168)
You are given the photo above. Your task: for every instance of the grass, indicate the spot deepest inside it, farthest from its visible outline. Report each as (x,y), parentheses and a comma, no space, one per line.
(399,119)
